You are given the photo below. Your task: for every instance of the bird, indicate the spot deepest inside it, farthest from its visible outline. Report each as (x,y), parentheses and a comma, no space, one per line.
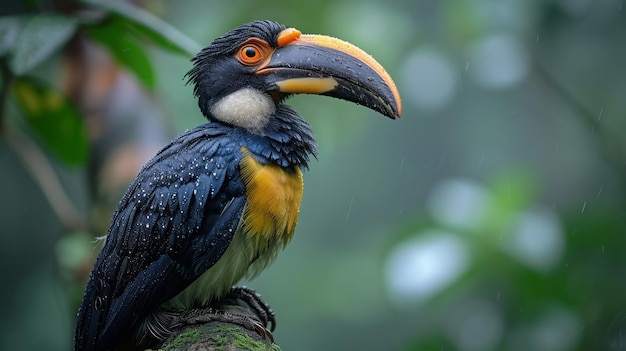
(220,201)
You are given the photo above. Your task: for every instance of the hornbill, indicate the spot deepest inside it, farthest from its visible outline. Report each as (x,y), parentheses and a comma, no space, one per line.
(221,200)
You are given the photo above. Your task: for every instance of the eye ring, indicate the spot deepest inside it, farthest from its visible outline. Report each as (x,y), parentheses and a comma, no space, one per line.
(252,52)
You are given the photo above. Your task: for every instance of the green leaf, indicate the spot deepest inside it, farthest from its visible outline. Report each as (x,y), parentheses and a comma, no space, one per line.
(53,119)
(150,26)
(126,50)
(10,28)
(41,37)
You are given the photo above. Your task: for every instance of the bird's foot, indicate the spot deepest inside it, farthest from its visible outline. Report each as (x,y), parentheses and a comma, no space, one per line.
(210,314)
(262,310)
(241,306)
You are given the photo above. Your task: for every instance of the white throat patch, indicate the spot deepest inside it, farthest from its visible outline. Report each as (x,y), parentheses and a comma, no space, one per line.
(247,108)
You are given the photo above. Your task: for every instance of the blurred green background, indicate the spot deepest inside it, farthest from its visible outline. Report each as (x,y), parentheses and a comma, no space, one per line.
(491,216)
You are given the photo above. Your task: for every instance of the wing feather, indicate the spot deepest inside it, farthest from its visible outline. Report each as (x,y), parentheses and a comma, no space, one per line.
(174,222)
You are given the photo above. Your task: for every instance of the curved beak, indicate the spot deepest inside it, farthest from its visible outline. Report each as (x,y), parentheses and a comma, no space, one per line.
(317,64)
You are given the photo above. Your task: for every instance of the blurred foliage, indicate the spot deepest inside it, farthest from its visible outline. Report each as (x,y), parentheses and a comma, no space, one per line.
(53,119)
(30,39)
(40,37)
(490,217)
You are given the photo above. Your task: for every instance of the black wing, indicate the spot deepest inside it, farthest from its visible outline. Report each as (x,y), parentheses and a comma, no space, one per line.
(174,222)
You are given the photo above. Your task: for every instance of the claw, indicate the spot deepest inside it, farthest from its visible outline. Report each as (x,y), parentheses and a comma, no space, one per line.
(255,301)
(206,315)
(160,325)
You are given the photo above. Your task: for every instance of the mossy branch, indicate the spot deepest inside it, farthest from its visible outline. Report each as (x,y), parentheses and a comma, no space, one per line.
(219,335)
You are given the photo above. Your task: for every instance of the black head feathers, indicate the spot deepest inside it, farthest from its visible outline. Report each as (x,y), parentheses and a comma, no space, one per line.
(230,42)
(212,76)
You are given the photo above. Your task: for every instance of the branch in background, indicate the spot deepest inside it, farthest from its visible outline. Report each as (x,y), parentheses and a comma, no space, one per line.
(610,148)
(41,171)
(7,79)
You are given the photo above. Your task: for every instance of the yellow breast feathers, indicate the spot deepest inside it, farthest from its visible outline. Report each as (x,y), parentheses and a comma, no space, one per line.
(274,196)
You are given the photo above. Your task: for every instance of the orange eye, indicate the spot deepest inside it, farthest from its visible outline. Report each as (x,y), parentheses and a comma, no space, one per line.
(252,52)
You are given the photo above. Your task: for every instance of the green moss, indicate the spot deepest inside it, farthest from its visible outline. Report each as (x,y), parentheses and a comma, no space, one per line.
(224,336)
(220,338)
(220,341)
(187,337)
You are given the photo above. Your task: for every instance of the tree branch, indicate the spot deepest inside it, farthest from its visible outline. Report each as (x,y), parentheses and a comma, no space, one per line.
(37,165)
(219,335)
(610,148)
(7,79)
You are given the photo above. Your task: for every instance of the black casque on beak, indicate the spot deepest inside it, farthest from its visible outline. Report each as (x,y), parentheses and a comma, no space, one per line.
(317,64)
